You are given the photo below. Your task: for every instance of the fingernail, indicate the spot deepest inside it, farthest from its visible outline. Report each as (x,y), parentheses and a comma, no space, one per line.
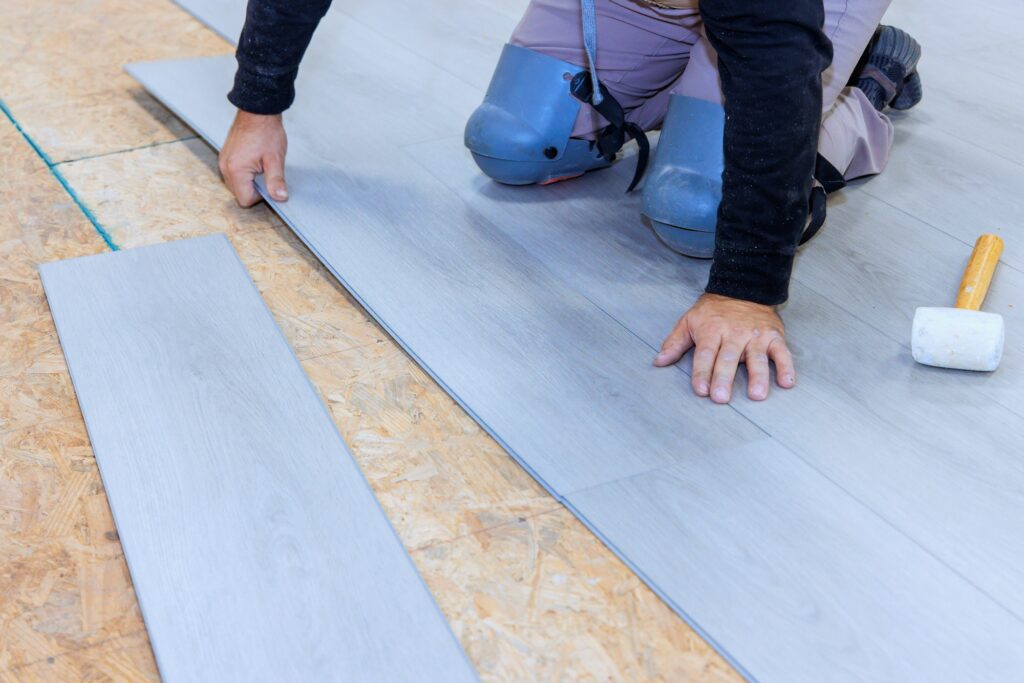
(789,379)
(281,194)
(703,388)
(757,392)
(721,394)
(661,357)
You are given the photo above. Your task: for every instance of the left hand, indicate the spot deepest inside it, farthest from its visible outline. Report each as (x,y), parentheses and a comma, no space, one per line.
(727,332)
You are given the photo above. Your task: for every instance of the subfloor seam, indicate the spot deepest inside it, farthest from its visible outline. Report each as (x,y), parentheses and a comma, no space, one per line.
(125,150)
(52,168)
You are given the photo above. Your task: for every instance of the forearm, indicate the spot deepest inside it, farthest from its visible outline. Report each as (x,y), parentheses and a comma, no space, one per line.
(770,58)
(273,41)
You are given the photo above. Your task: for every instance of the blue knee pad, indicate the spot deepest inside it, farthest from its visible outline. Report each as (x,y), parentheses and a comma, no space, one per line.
(520,135)
(684,184)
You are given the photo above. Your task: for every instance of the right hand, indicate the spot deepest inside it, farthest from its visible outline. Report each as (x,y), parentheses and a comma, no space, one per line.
(256,144)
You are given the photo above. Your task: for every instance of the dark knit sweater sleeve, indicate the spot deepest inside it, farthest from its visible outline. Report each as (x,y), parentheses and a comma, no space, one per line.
(273,41)
(770,57)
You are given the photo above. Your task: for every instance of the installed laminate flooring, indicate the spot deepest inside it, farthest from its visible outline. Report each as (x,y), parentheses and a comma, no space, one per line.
(545,304)
(256,547)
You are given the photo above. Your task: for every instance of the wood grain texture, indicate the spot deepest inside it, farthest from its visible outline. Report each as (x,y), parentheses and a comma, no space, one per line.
(785,540)
(256,547)
(926,452)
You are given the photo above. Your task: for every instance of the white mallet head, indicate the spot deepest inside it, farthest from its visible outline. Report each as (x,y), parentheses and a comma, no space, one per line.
(957,338)
(963,338)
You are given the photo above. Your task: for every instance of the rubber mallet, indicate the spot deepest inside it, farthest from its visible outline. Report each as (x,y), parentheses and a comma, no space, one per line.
(964,337)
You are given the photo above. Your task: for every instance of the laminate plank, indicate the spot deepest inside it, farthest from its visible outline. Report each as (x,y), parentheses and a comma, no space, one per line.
(917,444)
(225,17)
(757,527)
(558,382)
(953,185)
(256,547)
(465,39)
(956,31)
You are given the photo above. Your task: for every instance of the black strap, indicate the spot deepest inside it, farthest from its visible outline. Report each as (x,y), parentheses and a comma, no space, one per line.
(830,180)
(828,175)
(817,214)
(612,137)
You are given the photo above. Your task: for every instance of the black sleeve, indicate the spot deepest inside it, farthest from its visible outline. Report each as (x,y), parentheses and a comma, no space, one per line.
(770,57)
(274,38)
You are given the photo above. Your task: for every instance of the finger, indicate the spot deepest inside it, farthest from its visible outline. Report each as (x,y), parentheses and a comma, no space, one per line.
(241,182)
(758,375)
(785,371)
(726,363)
(273,172)
(703,364)
(675,345)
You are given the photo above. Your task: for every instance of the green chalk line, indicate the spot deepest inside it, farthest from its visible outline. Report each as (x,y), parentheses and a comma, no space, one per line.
(52,167)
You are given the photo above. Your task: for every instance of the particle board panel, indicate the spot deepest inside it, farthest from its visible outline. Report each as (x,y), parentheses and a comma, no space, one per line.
(256,546)
(110,186)
(87,106)
(761,528)
(549,568)
(481,315)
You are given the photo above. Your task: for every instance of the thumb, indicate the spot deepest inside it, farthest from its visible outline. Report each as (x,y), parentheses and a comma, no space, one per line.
(273,171)
(675,345)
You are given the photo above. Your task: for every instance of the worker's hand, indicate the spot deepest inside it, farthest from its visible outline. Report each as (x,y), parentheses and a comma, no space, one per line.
(256,144)
(727,332)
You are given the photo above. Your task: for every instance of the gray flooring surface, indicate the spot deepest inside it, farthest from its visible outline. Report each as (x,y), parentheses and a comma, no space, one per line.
(893,494)
(256,547)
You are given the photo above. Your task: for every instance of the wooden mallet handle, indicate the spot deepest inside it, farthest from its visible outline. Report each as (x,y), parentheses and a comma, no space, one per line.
(978,274)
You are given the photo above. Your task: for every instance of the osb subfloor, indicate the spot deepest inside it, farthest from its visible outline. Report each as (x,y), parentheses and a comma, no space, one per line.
(531,594)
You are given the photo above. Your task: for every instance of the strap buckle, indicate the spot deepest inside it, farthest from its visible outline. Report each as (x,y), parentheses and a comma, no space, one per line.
(612,137)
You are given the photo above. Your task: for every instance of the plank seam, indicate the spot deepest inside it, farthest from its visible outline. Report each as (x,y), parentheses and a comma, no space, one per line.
(795,454)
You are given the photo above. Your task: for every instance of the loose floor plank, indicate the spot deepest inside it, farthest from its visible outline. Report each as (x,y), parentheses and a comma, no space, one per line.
(255,544)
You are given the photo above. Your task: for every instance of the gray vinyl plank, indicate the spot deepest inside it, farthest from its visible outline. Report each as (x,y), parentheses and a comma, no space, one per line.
(953,185)
(970,69)
(898,436)
(947,30)
(464,39)
(724,532)
(483,316)
(225,17)
(971,103)
(256,547)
